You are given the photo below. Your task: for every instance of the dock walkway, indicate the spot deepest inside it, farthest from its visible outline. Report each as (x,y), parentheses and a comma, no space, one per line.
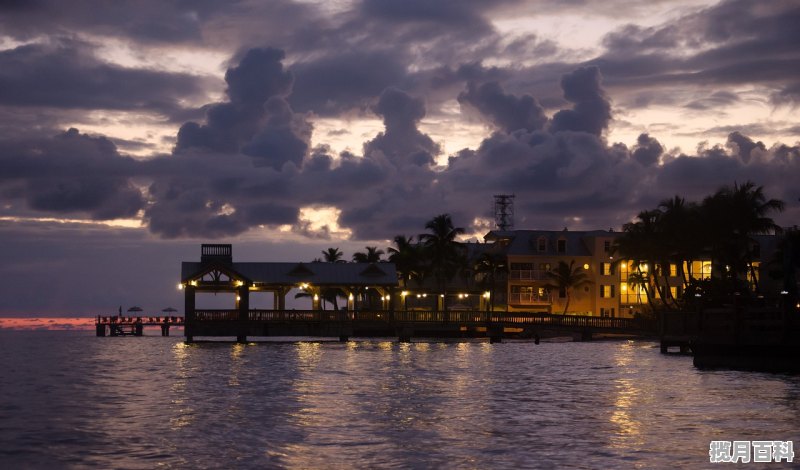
(117,325)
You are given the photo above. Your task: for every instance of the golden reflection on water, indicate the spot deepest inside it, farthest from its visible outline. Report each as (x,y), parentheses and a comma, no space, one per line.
(627,394)
(185,412)
(237,350)
(308,354)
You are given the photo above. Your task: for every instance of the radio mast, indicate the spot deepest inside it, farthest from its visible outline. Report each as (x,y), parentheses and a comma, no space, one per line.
(504,211)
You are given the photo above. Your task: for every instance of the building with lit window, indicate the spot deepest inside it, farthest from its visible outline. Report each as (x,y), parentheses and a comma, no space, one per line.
(617,287)
(531,254)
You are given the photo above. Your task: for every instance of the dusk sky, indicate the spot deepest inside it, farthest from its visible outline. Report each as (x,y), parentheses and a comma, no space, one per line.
(133,131)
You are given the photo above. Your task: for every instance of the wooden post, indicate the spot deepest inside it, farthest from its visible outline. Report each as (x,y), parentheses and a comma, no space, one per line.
(281,293)
(405,335)
(189,302)
(243,296)
(495,333)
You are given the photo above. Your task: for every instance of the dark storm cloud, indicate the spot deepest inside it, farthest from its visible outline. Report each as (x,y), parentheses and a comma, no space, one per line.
(743,146)
(336,83)
(591,111)
(283,139)
(505,111)
(249,163)
(402,143)
(453,13)
(71,173)
(647,150)
(65,74)
(732,42)
(158,21)
(257,120)
(561,177)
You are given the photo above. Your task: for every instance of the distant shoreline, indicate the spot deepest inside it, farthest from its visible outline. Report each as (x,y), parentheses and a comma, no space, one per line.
(70,323)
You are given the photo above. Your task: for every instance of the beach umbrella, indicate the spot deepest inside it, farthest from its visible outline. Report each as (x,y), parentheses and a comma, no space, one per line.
(135,309)
(170,310)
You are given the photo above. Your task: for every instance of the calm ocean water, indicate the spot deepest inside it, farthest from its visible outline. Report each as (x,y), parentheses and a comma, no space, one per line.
(71,400)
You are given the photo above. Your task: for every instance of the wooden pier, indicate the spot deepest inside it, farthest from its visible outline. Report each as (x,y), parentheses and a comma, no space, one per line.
(117,325)
(406,325)
(749,338)
(216,272)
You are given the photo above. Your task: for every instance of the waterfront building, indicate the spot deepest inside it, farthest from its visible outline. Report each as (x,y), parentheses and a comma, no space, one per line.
(617,286)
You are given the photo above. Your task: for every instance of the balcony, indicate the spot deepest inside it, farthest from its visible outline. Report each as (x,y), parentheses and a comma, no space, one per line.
(527,275)
(529,299)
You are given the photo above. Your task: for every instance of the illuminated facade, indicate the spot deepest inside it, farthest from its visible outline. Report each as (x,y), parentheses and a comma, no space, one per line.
(618,287)
(531,254)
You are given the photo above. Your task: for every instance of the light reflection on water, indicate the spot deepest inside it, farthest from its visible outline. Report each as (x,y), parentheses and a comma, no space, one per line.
(70,399)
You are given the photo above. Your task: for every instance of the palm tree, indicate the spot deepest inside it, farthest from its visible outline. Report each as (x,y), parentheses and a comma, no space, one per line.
(332,255)
(372,255)
(406,258)
(332,294)
(566,277)
(683,235)
(643,243)
(487,267)
(443,253)
(734,215)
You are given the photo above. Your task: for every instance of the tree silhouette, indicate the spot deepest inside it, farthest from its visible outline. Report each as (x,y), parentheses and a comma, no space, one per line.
(443,253)
(407,258)
(566,277)
(372,255)
(332,294)
(332,255)
(734,215)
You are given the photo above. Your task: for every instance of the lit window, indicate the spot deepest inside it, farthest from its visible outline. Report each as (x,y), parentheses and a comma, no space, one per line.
(673,270)
(605,269)
(544,267)
(606,292)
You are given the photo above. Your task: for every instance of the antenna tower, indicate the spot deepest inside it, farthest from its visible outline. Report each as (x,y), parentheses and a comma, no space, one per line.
(504,211)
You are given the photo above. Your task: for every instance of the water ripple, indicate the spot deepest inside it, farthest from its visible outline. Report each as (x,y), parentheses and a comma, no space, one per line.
(72,400)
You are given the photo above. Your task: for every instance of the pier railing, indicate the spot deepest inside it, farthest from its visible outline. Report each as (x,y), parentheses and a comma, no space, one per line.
(145,320)
(463,317)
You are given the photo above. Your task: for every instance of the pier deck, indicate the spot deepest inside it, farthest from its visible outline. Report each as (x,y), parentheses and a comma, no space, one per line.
(116,325)
(407,324)
(380,323)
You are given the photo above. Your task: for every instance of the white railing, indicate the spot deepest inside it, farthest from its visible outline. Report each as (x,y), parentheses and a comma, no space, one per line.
(529,299)
(527,274)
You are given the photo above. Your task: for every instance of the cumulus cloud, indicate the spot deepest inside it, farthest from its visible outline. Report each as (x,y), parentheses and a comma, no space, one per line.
(341,81)
(256,116)
(564,173)
(647,150)
(402,143)
(591,111)
(71,173)
(505,111)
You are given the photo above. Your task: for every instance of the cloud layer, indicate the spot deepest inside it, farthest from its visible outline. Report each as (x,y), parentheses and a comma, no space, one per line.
(252,159)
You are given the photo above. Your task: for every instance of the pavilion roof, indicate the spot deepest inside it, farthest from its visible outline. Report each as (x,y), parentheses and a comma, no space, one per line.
(315,273)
